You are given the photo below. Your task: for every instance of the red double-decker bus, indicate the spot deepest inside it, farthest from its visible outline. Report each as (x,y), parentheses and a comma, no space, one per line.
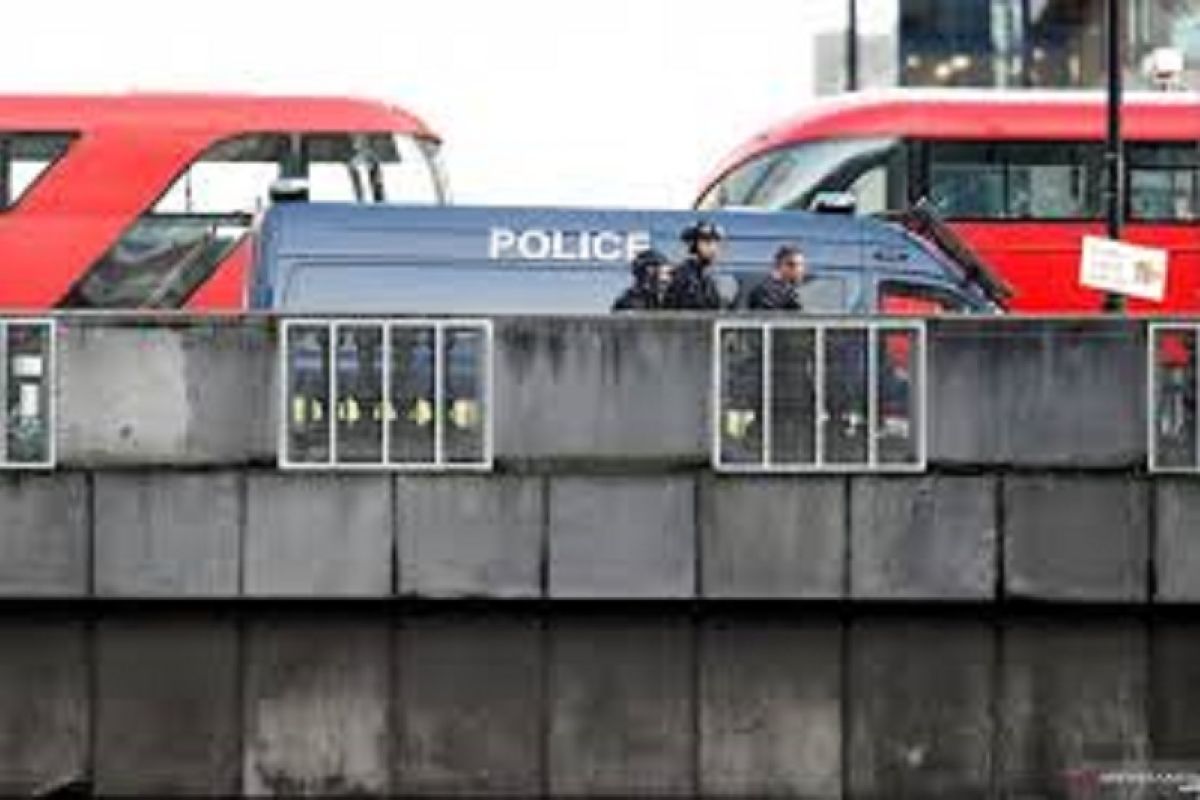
(146,201)
(1019,175)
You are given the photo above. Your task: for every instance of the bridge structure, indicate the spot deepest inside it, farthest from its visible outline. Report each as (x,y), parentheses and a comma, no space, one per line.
(598,610)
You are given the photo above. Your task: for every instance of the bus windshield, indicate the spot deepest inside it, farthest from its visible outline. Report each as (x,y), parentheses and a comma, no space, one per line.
(790,177)
(373,168)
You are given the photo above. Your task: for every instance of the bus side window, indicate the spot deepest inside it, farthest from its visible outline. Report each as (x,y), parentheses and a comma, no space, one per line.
(171,250)
(231,177)
(915,299)
(1164,182)
(24,158)
(1014,180)
(333,174)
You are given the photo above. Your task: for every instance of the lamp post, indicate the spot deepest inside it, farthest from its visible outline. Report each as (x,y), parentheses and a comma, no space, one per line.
(1114,190)
(852,48)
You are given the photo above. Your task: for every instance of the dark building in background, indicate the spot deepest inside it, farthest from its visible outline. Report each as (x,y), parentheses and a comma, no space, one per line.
(1001,43)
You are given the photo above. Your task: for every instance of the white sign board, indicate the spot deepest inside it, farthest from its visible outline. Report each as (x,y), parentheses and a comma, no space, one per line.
(1113,266)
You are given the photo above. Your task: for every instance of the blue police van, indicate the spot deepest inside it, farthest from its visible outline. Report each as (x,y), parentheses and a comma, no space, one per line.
(353,259)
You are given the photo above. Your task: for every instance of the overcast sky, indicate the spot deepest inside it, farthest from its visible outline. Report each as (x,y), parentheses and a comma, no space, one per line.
(607,102)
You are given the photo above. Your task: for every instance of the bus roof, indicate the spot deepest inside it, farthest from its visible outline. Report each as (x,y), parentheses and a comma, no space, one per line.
(966,114)
(214,112)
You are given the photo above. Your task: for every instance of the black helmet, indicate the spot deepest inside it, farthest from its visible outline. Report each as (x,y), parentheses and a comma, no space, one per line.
(648,259)
(702,229)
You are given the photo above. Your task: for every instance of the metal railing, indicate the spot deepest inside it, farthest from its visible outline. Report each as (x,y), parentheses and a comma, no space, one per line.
(29,388)
(411,394)
(1172,436)
(828,396)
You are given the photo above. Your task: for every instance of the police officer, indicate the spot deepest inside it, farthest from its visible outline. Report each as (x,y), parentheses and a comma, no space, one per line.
(781,289)
(651,274)
(692,286)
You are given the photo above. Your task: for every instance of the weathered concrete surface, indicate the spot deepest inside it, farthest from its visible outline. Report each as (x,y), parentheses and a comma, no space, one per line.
(469,700)
(1037,392)
(168,722)
(185,392)
(770,708)
(167,534)
(765,538)
(622,537)
(1073,695)
(1177,540)
(1174,687)
(602,388)
(927,538)
(470,536)
(919,705)
(1076,538)
(1052,392)
(621,708)
(316,712)
(43,702)
(319,535)
(43,535)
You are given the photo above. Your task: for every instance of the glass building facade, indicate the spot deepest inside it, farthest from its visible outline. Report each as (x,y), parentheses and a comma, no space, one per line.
(1001,43)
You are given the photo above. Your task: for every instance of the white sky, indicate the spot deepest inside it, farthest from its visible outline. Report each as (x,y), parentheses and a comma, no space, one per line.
(606,102)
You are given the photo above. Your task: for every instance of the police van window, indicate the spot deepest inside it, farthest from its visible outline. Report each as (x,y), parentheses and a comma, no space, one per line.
(826,294)
(24,158)
(232,177)
(790,177)
(900,298)
(1164,182)
(1014,180)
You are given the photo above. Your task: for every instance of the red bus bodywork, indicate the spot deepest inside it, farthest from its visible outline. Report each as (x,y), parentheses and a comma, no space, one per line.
(127,150)
(1039,259)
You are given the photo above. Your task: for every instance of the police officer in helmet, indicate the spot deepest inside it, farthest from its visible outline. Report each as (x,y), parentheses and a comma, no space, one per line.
(692,286)
(651,275)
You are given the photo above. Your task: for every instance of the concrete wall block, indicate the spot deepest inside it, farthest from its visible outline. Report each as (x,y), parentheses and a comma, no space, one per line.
(926,538)
(1076,538)
(469,704)
(1174,688)
(313,535)
(317,694)
(133,392)
(167,534)
(44,535)
(601,388)
(622,537)
(776,537)
(44,717)
(621,708)
(470,536)
(1177,540)
(1073,695)
(168,721)
(770,708)
(1041,392)
(231,373)
(919,700)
